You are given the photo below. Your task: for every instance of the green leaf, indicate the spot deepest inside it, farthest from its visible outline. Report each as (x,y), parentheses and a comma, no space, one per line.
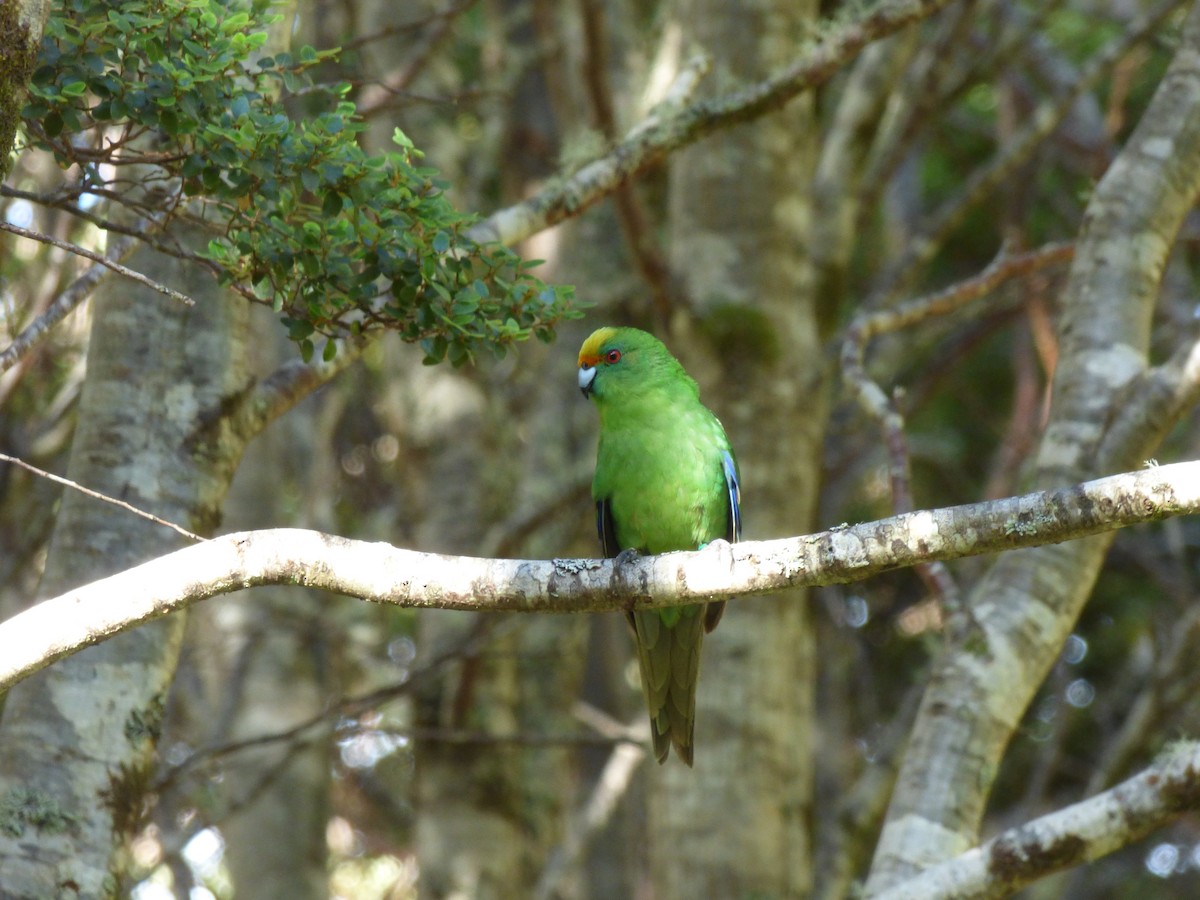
(119,22)
(52,124)
(400,139)
(435,350)
(311,223)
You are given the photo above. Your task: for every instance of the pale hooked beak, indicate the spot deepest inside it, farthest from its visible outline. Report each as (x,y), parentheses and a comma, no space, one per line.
(587,377)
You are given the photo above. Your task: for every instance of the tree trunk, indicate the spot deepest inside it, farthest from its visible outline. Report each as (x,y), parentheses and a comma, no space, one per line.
(739,217)
(21,25)
(1027,604)
(490,804)
(257,663)
(77,739)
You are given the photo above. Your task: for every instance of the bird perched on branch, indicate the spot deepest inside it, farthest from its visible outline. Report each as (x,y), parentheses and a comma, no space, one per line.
(666,479)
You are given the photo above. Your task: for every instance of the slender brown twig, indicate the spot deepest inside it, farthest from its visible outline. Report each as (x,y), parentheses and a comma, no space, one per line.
(97,258)
(924,245)
(119,249)
(66,482)
(883,408)
(631,212)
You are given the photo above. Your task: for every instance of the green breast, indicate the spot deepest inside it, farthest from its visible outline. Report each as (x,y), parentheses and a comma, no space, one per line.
(663,477)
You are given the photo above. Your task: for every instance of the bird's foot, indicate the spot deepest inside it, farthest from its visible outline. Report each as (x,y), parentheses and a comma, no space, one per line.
(625,557)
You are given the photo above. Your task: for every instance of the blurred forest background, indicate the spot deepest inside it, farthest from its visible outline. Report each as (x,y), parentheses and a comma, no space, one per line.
(304,745)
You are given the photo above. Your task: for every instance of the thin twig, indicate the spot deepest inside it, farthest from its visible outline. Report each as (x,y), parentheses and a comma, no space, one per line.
(929,85)
(66,482)
(375,97)
(668,126)
(853,823)
(924,244)
(881,407)
(938,580)
(485,629)
(79,290)
(636,228)
(1162,695)
(96,257)
(611,786)
(866,326)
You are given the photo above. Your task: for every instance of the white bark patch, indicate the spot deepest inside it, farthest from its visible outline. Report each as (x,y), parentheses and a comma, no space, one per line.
(95,712)
(1002,670)
(1115,366)
(923,526)
(926,842)
(1158,148)
(143,472)
(182,406)
(710,571)
(1063,443)
(848,546)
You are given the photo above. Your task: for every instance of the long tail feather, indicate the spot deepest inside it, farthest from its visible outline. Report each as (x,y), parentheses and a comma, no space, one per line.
(669,659)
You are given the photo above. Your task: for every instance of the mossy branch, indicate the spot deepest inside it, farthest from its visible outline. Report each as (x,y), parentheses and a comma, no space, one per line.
(1066,837)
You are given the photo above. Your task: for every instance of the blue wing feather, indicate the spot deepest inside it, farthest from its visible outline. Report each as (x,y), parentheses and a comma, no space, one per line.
(733,532)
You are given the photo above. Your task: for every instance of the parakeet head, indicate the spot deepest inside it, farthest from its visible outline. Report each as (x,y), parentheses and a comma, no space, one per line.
(628,362)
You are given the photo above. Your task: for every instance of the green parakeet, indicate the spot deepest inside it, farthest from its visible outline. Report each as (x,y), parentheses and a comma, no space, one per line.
(666,479)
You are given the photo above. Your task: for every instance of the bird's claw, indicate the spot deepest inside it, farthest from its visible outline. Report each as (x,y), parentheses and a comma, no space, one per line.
(625,557)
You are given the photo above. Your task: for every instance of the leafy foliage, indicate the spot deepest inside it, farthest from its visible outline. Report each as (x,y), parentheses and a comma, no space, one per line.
(337,240)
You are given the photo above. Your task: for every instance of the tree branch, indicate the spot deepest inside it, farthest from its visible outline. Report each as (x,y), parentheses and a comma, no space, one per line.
(876,403)
(119,249)
(97,258)
(670,125)
(1027,603)
(922,247)
(1067,837)
(97,495)
(382,573)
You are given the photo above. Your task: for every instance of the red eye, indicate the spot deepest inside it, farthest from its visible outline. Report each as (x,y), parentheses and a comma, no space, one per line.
(612,356)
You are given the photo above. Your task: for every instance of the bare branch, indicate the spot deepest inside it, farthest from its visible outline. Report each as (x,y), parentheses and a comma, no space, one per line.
(377,96)
(879,405)
(1027,603)
(1172,683)
(636,229)
(612,784)
(1068,837)
(870,396)
(119,249)
(1153,400)
(294,381)
(923,246)
(97,258)
(669,126)
(75,486)
(382,573)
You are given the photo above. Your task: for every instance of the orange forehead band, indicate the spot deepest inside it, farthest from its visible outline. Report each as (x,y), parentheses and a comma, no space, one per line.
(589,353)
